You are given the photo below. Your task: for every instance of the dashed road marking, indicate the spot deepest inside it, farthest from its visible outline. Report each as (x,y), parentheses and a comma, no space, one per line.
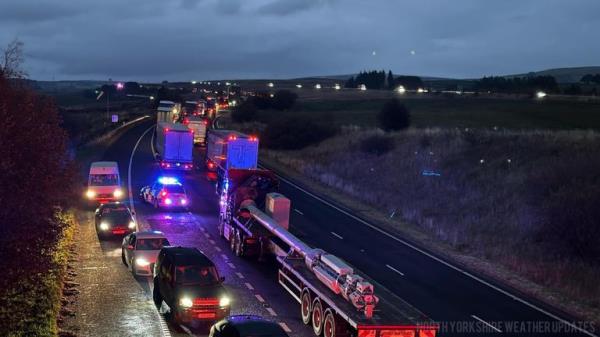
(218,249)
(259,298)
(271,312)
(249,286)
(231,265)
(298,211)
(486,323)
(240,275)
(394,269)
(337,235)
(285,327)
(225,257)
(203,229)
(212,242)
(207,235)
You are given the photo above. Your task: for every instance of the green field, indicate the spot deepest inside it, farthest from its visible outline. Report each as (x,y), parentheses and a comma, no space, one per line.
(458,112)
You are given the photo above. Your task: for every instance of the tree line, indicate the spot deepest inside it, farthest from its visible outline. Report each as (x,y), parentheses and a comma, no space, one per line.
(379,80)
(590,78)
(517,84)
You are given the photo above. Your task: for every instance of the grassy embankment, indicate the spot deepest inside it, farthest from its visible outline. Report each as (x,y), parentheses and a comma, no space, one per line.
(517,190)
(31,306)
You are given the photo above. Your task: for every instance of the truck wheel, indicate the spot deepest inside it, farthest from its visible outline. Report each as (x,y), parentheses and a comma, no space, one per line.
(317,316)
(156,297)
(305,307)
(329,328)
(232,238)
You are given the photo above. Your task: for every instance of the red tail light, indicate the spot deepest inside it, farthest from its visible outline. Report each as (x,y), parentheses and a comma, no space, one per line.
(206,301)
(186,121)
(167,130)
(205,122)
(232,137)
(163,193)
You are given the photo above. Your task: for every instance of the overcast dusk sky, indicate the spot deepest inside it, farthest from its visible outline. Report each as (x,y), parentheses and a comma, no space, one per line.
(154,40)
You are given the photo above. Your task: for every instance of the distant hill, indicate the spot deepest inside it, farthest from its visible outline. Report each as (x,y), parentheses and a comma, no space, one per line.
(564,75)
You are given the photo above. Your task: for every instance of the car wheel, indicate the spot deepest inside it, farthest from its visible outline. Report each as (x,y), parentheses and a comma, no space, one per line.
(133,269)
(123,257)
(239,244)
(156,297)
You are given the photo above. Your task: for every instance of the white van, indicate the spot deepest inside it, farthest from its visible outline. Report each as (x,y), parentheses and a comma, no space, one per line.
(104,182)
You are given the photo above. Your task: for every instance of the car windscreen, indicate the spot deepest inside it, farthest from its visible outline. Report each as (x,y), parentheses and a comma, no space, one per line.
(175,189)
(117,217)
(196,275)
(104,179)
(151,244)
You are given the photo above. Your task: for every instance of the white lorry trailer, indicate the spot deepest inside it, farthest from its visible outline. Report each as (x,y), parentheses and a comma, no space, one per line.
(199,126)
(167,111)
(174,145)
(227,149)
(335,299)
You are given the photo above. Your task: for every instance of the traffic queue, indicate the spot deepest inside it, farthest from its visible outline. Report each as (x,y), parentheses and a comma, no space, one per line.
(185,280)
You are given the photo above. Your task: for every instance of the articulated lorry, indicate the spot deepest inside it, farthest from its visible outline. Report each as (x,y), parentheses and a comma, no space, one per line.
(174,145)
(228,149)
(335,298)
(167,111)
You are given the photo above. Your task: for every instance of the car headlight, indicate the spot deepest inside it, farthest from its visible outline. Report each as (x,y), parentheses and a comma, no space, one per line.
(104,226)
(224,301)
(142,262)
(90,194)
(118,193)
(186,302)
(131,225)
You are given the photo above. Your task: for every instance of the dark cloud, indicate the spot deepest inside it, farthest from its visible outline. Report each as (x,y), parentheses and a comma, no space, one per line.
(200,39)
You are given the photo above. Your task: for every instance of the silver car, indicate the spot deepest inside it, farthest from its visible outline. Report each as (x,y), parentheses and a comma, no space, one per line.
(140,249)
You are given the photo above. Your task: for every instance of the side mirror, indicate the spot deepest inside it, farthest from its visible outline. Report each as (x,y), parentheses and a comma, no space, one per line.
(130,247)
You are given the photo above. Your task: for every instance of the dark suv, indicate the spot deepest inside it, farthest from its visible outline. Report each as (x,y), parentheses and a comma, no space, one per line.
(189,283)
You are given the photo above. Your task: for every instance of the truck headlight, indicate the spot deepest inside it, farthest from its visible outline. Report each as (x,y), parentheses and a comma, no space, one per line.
(118,193)
(186,302)
(131,225)
(90,194)
(224,301)
(142,262)
(104,226)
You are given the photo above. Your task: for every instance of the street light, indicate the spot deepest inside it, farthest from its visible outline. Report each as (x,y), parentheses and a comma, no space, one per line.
(299,86)
(337,87)
(270,85)
(317,86)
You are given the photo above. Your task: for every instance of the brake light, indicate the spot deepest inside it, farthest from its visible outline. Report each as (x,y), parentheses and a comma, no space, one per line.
(163,193)
(232,137)
(253,138)
(186,121)
(205,122)
(167,130)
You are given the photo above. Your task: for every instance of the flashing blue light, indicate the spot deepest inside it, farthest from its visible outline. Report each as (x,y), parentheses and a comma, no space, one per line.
(168,181)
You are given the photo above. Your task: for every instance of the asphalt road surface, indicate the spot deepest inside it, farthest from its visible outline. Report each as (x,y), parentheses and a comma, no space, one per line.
(463,304)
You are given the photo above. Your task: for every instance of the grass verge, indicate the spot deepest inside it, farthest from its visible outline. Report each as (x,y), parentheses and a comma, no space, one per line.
(31,307)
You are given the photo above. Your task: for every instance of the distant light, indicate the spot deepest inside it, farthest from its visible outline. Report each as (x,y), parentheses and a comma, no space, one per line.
(401,89)
(227,83)
(299,86)
(120,86)
(317,86)
(151,98)
(218,83)
(374,53)
(270,85)
(168,201)
(541,94)
(420,90)
(271,95)
(337,87)
(412,52)
(362,87)
(481,161)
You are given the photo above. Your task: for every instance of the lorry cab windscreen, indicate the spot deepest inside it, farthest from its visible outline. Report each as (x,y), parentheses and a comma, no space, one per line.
(104,180)
(196,275)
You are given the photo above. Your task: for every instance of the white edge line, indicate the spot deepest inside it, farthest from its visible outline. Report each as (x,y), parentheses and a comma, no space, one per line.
(131,205)
(154,153)
(394,269)
(240,275)
(466,273)
(259,298)
(271,311)
(298,211)
(337,235)
(249,286)
(285,327)
(486,323)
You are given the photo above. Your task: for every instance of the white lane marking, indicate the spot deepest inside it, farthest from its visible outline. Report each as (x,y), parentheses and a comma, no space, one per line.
(337,235)
(271,312)
(240,275)
(154,153)
(212,242)
(259,298)
(298,211)
(207,235)
(394,269)
(218,249)
(486,323)
(285,327)
(203,229)
(225,257)
(131,205)
(186,330)
(231,265)
(448,264)
(249,286)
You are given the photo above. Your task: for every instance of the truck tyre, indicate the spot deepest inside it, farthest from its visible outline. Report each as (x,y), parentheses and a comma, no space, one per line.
(305,307)
(329,324)
(317,316)
(232,237)
(156,297)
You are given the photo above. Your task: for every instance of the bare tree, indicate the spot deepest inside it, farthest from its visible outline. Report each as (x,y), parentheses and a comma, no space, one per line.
(12,59)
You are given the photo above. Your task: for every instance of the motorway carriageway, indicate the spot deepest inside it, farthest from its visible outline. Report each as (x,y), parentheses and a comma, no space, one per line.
(464,304)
